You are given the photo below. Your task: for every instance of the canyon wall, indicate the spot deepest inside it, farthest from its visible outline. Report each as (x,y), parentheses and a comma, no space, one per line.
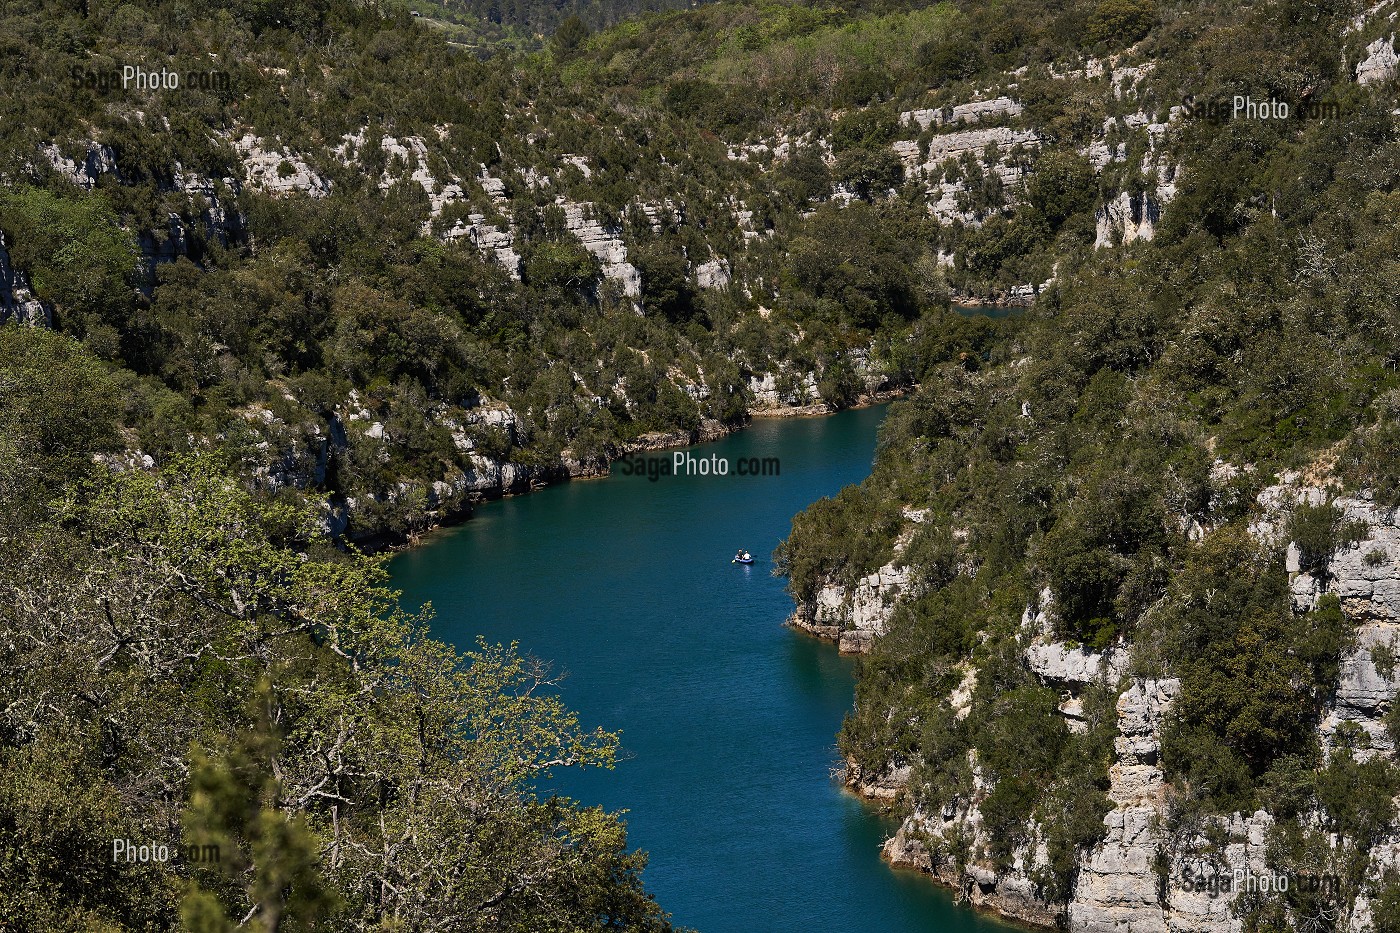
(1132,880)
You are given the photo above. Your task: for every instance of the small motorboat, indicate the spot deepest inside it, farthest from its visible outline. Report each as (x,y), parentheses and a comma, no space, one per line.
(743,557)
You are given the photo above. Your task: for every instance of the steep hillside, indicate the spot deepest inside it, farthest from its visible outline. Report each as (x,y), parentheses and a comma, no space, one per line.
(364,276)
(1124,582)
(412,293)
(403,293)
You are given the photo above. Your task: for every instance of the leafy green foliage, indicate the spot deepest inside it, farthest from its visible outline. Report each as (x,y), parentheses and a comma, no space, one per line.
(1319,531)
(232,814)
(1120,23)
(187,663)
(1254,675)
(75,251)
(1385,909)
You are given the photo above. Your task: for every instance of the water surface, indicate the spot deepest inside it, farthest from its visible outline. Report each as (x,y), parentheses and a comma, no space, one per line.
(728,720)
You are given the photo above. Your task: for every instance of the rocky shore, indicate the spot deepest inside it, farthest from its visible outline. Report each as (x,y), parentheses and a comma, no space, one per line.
(489,479)
(1122,885)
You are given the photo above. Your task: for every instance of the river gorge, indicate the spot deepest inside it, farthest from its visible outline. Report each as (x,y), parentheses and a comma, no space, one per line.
(727,718)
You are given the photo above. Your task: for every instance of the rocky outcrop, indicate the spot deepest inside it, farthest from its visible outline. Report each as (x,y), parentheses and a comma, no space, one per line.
(1366,688)
(1380,64)
(1140,878)
(974,112)
(278,171)
(768,392)
(712,274)
(17,301)
(208,201)
(496,240)
(884,785)
(1126,218)
(928,165)
(1064,665)
(854,618)
(99,160)
(1365,576)
(1117,887)
(927,841)
(605,243)
(955,145)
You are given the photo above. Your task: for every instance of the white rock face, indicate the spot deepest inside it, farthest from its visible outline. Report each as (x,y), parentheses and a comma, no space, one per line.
(1141,708)
(496,415)
(1118,888)
(1125,78)
(1366,578)
(1011,892)
(1058,663)
(278,171)
(887,785)
(1365,693)
(99,161)
(408,157)
(766,394)
(206,199)
(1385,859)
(855,618)
(871,603)
(974,112)
(490,239)
(712,274)
(16,299)
(605,244)
(1127,218)
(954,146)
(961,697)
(1380,63)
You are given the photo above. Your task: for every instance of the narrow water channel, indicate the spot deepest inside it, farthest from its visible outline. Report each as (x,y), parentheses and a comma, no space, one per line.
(728,720)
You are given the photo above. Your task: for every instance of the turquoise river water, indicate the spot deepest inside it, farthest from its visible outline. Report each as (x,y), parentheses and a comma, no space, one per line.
(728,719)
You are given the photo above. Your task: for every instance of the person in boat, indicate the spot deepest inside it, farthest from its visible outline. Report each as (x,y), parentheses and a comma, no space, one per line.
(742,556)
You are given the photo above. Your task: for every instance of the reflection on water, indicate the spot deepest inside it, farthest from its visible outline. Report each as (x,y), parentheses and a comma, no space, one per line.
(728,719)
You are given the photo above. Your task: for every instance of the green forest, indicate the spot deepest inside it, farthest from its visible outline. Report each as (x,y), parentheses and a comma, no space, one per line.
(1080,455)
(362,258)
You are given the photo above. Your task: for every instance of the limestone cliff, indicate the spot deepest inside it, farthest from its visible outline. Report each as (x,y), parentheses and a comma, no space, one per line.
(855,616)
(1132,880)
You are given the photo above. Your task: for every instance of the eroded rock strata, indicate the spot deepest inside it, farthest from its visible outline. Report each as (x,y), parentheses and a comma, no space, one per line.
(1132,880)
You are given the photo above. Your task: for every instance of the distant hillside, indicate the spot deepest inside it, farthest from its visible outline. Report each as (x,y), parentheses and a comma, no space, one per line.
(496,25)
(535,17)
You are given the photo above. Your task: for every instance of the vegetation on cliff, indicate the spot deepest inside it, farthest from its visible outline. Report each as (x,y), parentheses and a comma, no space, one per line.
(188,666)
(1107,451)
(301,273)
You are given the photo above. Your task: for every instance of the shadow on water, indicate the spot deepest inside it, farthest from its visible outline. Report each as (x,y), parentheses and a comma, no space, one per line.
(728,719)
(995,312)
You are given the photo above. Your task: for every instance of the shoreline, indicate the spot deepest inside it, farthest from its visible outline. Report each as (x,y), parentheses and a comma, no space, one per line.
(380,545)
(877,795)
(881,792)
(881,800)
